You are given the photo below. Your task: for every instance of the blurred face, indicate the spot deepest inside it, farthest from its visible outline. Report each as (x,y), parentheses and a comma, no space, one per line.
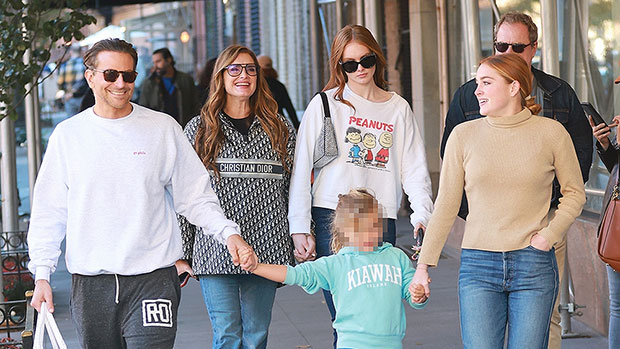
(362,230)
(494,93)
(516,33)
(243,85)
(356,52)
(111,98)
(162,65)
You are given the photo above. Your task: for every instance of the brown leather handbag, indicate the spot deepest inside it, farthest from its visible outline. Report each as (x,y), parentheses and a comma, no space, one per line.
(609,230)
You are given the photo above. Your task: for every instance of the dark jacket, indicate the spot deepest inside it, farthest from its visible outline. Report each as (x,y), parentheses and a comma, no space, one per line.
(152,96)
(560,104)
(278,90)
(253,191)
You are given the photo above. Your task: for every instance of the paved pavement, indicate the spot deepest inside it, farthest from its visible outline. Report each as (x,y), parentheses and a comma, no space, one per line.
(302,321)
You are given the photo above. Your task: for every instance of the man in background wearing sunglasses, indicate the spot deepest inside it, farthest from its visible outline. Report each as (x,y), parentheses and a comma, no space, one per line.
(112,180)
(169,90)
(516,32)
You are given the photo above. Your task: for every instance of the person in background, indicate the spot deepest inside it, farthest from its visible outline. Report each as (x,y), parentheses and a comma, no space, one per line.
(609,155)
(506,163)
(71,81)
(360,105)
(169,90)
(111,182)
(515,32)
(143,69)
(248,148)
(204,80)
(278,90)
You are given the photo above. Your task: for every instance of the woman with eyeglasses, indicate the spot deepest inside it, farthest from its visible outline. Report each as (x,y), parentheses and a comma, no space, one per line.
(506,163)
(248,149)
(379,147)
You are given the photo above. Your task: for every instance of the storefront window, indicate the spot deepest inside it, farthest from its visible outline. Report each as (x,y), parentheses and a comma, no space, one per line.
(602,61)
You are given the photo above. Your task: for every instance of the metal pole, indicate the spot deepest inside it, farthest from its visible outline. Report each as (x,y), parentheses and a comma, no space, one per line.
(37,132)
(473,51)
(442,31)
(8,175)
(359,11)
(314,46)
(550,54)
(565,297)
(339,14)
(371,8)
(31,138)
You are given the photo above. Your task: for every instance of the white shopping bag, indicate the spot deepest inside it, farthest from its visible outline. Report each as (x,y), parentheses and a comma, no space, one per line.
(45,322)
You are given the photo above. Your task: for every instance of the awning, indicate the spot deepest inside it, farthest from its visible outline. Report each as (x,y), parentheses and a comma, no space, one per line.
(110,3)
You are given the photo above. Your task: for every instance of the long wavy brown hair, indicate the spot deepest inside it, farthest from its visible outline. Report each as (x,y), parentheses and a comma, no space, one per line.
(337,76)
(210,137)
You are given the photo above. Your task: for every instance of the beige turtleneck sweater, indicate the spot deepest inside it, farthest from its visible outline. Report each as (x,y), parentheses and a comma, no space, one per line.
(506,166)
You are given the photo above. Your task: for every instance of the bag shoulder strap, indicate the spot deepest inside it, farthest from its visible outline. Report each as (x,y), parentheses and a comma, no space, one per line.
(326,112)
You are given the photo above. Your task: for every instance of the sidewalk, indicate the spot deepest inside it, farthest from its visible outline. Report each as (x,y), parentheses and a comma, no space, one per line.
(302,321)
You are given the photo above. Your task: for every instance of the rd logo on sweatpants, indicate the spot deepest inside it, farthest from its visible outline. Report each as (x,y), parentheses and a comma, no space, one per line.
(157,312)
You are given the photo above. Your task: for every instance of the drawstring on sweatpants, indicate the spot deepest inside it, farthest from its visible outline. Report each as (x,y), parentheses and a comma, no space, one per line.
(117,289)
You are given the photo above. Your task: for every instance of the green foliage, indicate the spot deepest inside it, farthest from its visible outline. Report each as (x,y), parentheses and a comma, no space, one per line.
(37,25)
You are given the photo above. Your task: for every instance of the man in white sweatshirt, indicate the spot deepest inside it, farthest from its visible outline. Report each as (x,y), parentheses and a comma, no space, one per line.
(112,180)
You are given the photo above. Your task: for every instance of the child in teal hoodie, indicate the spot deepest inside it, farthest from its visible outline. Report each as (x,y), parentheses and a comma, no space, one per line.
(367,281)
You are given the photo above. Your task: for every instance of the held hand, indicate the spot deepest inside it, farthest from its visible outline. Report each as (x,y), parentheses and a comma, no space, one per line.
(236,244)
(183,267)
(539,242)
(417,293)
(249,260)
(304,247)
(601,132)
(42,293)
(420,278)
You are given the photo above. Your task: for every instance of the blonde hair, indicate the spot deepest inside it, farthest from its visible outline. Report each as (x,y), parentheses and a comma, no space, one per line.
(210,137)
(512,67)
(356,201)
(337,76)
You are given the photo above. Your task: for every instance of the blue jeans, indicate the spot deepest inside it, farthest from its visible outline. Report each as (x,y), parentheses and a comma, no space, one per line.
(515,288)
(239,307)
(614,307)
(322,218)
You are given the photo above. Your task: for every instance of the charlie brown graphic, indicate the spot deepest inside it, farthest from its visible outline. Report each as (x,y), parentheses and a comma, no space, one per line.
(354,136)
(369,141)
(383,155)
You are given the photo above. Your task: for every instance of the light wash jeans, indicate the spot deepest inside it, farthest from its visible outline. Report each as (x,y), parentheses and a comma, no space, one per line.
(515,288)
(322,218)
(614,308)
(239,307)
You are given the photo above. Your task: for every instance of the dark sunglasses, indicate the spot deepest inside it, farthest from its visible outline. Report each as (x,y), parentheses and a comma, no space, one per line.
(236,69)
(517,48)
(110,75)
(366,62)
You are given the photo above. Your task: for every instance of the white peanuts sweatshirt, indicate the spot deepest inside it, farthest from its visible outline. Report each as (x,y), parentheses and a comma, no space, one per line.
(379,148)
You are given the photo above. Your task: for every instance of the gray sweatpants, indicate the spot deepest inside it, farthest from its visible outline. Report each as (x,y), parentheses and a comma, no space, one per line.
(137,311)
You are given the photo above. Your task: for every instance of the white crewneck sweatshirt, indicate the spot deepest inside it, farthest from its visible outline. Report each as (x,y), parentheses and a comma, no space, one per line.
(379,148)
(113,187)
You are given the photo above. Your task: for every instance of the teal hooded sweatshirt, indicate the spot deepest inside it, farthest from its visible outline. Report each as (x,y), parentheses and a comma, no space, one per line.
(367,288)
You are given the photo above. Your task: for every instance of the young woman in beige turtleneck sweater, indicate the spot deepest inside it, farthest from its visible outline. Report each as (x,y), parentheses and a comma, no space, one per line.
(506,164)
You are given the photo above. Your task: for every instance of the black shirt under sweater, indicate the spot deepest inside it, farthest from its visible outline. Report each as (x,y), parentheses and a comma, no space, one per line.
(242,125)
